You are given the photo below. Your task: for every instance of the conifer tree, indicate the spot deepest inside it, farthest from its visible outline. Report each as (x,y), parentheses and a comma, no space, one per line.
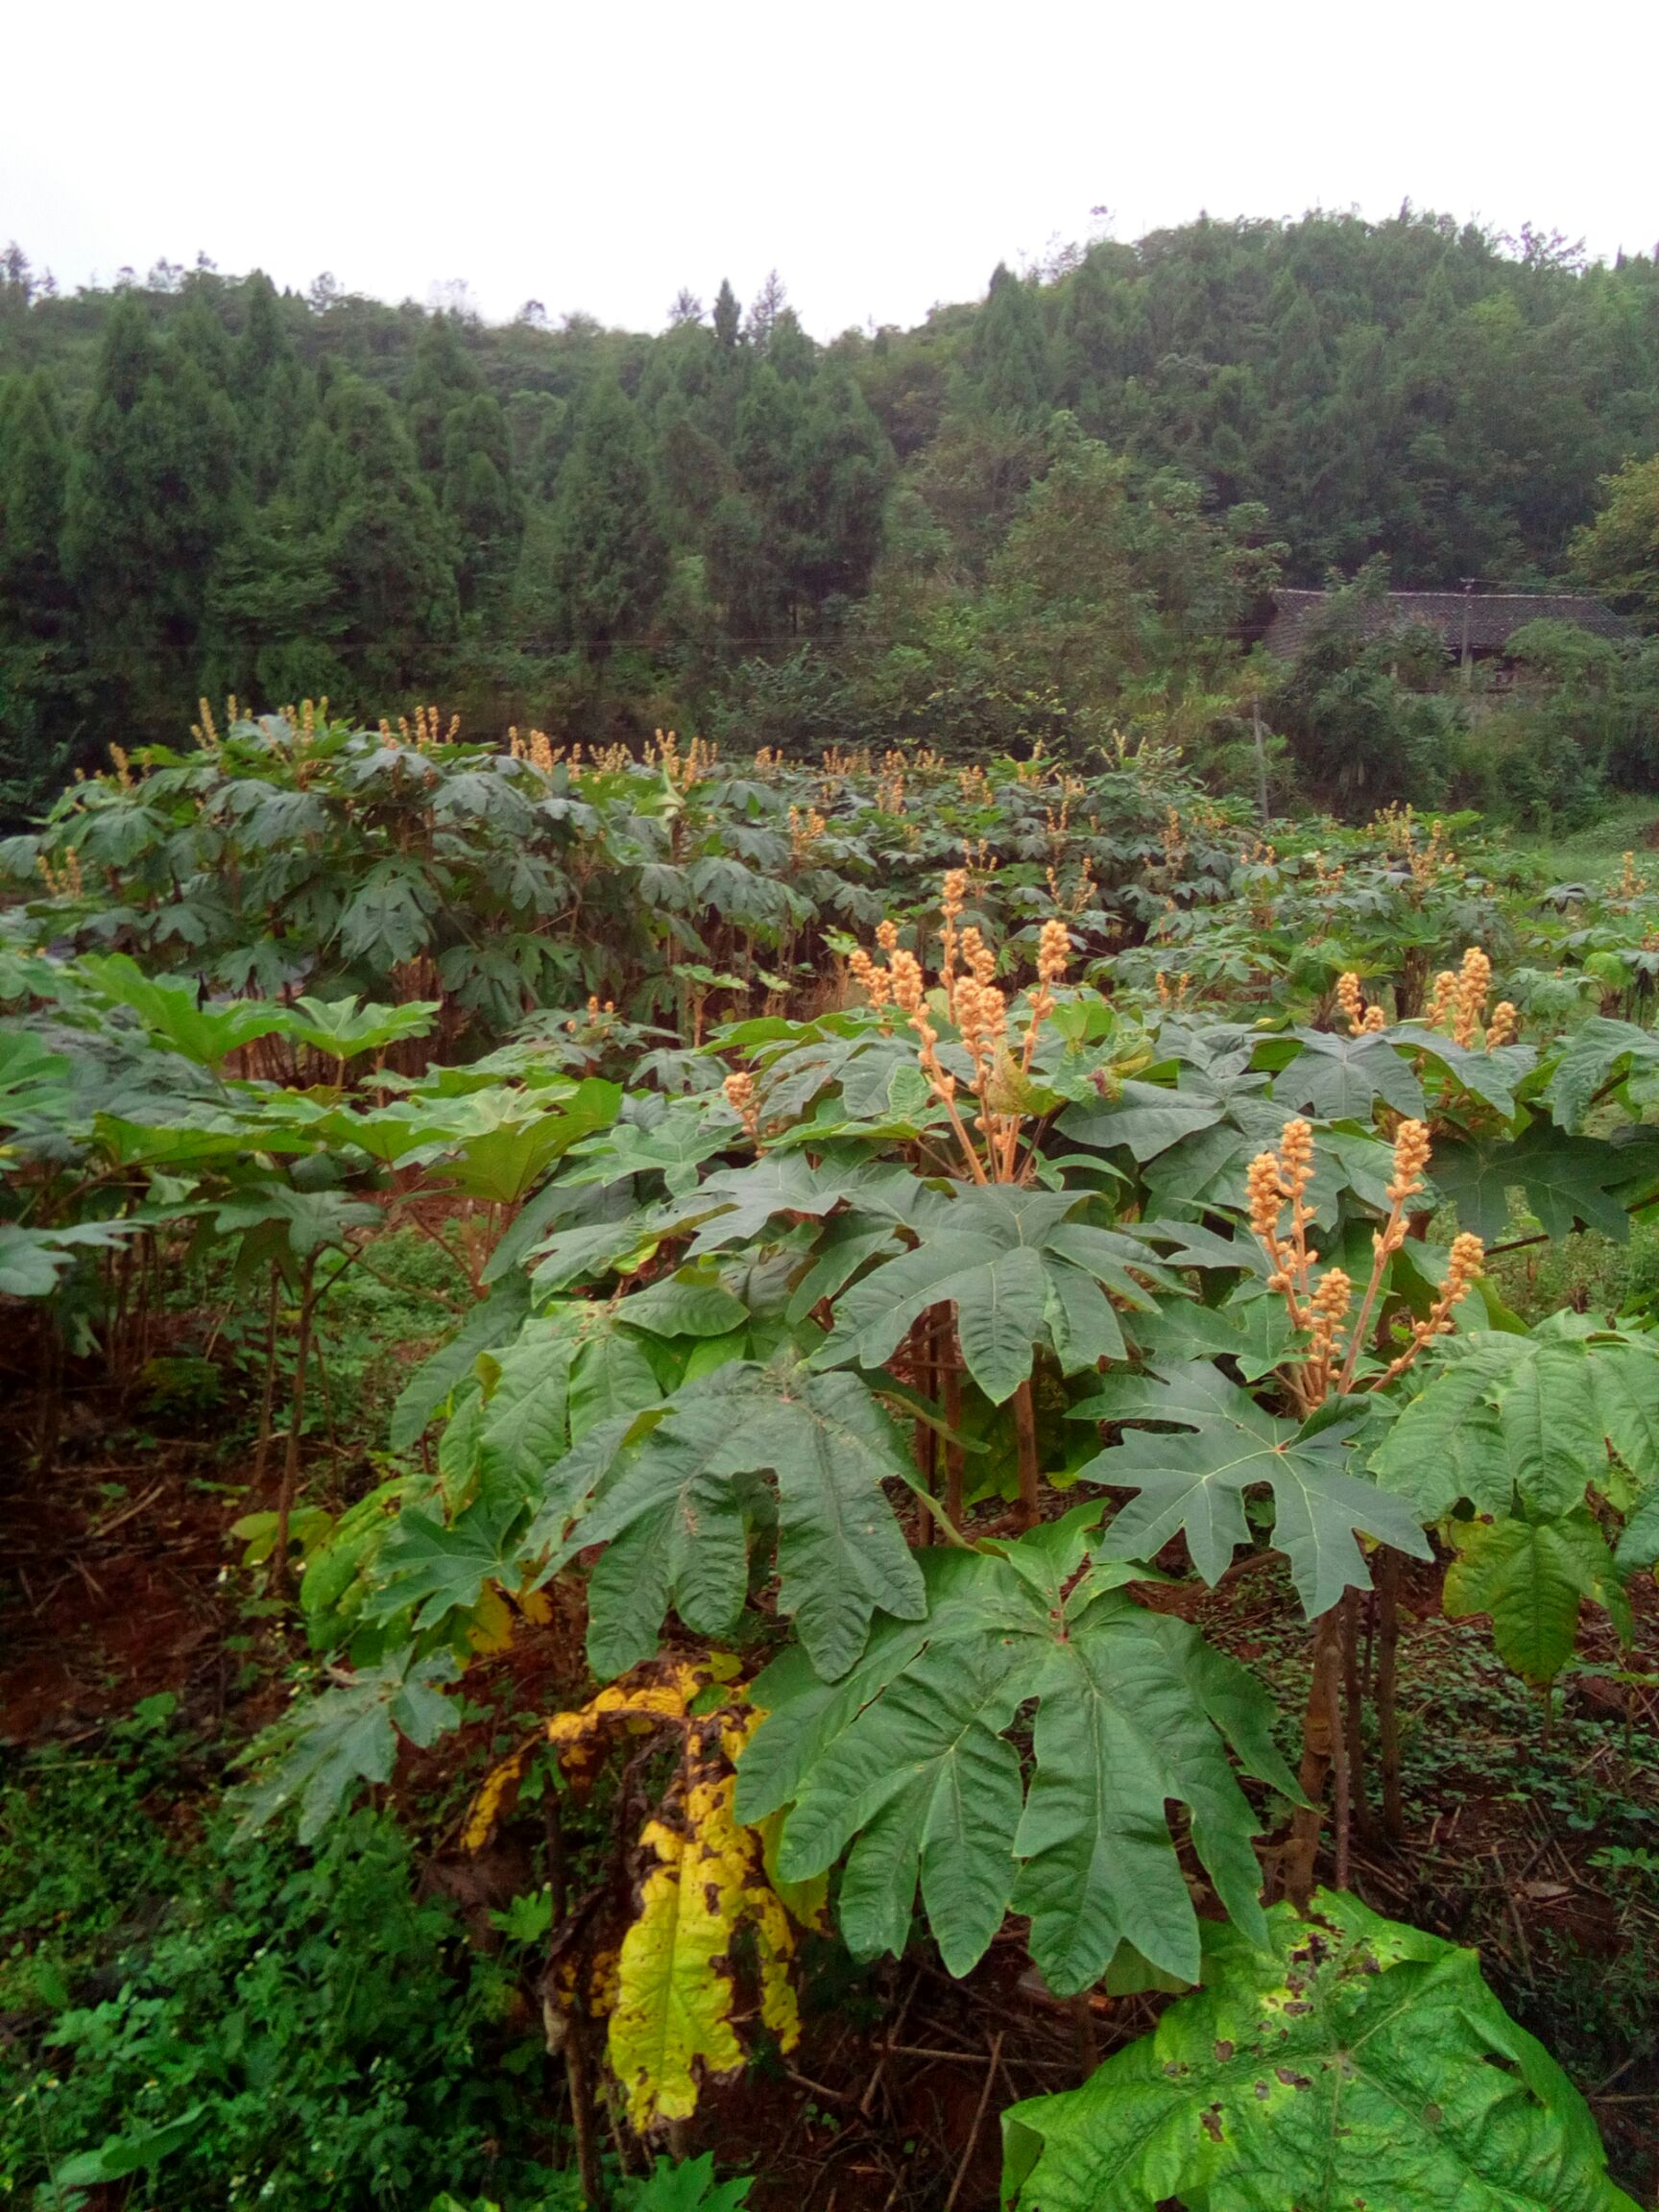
(728,316)
(444,377)
(38,653)
(1007,363)
(610,558)
(480,497)
(148,501)
(382,540)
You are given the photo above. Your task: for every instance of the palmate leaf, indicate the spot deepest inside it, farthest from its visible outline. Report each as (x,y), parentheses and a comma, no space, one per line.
(1568,1181)
(31,1259)
(1193,1483)
(430,1570)
(673,1146)
(1530,1415)
(1148,1117)
(167,1008)
(1490,1076)
(672,1495)
(1600,1055)
(32,1079)
(1532,1577)
(1020,1270)
(909,1762)
(1354,2063)
(503,1163)
(494,1322)
(342,1028)
(349,1735)
(1340,1078)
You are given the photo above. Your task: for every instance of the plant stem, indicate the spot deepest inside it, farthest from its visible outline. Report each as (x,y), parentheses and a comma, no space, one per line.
(296,1416)
(955,1458)
(1030,1507)
(574,2044)
(268,1397)
(1353,1716)
(1387,1681)
(1342,1773)
(1320,1740)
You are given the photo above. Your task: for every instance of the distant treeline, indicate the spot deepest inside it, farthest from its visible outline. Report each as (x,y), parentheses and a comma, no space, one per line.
(207,486)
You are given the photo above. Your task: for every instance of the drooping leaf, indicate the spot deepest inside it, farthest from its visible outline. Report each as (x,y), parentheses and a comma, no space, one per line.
(672,2024)
(1599,1057)
(908,1762)
(673,1501)
(31,1077)
(1531,1576)
(492,1323)
(1354,2061)
(997,1255)
(1530,1415)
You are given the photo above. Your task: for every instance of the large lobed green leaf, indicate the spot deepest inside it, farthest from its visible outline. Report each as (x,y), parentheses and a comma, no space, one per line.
(1191,1483)
(911,1766)
(673,1493)
(1022,1270)
(1529,1416)
(1352,2063)
(1532,1577)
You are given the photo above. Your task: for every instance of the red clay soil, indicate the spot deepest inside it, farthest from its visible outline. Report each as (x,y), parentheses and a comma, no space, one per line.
(108,1600)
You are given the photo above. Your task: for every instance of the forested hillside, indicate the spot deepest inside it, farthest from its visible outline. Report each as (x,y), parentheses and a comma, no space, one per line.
(1050,514)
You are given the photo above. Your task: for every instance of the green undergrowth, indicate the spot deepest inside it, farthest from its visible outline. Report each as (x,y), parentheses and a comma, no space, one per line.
(234,2024)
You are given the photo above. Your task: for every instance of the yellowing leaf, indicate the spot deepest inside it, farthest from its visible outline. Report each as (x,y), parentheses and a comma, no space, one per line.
(805,1901)
(487,1805)
(580,1735)
(673,2017)
(672,2024)
(491,1629)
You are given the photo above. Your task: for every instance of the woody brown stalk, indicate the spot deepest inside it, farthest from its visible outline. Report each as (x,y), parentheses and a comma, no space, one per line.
(1387,1677)
(1353,1717)
(297,1415)
(1320,1738)
(956,1458)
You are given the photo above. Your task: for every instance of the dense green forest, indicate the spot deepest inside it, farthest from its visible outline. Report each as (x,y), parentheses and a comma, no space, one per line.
(1051,515)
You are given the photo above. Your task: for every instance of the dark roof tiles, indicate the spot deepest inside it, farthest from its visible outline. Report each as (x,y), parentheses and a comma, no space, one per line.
(1493,617)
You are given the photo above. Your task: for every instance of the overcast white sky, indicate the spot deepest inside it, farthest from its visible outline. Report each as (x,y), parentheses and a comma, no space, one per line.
(881,157)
